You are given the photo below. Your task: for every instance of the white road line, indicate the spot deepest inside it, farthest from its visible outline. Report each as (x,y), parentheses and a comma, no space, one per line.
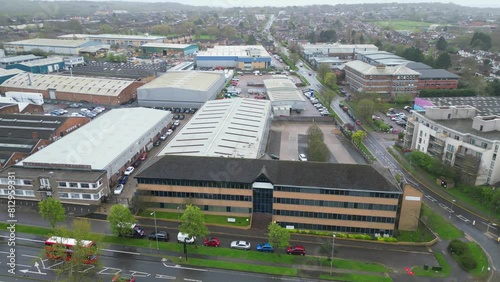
(29,256)
(123,252)
(139,273)
(192,280)
(430,198)
(187,268)
(463,218)
(23,265)
(117,270)
(166,277)
(491,225)
(50,267)
(25,239)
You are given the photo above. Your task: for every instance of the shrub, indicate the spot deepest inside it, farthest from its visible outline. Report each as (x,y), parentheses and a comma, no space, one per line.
(457,247)
(467,262)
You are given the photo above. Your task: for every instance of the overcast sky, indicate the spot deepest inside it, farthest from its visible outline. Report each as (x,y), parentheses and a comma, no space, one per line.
(247,3)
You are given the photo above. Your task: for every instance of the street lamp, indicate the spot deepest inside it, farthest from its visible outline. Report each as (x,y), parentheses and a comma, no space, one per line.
(178,214)
(451,210)
(331,261)
(156,231)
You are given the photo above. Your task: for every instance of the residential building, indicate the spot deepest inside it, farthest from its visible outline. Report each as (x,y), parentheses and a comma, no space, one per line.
(55,46)
(458,137)
(363,77)
(298,195)
(241,57)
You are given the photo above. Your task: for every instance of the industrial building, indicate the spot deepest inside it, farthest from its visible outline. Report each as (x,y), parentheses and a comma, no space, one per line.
(297,195)
(391,81)
(165,49)
(73,88)
(184,89)
(283,93)
(232,128)
(459,137)
(341,51)
(118,40)
(332,63)
(239,57)
(55,46)
(6,74)
(131,71)
(23,135)
(46,65)
(10,106)
(7,61)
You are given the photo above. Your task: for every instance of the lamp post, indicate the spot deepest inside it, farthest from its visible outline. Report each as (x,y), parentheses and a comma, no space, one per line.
(451,210)
(178,214)
(156,231)
(331,261)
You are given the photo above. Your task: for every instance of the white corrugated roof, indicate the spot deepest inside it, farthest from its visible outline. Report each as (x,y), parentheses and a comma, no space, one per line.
(192,80)
(239,51)
(49,42)
(42,62)
(282,90)
(223,128)
(166,45)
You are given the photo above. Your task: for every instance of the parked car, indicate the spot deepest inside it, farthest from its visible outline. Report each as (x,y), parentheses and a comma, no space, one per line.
(123,179)
(144,156)
(183,237)
(240,245)
(181,117)
(163,137)
(123,277)
(325,113)
(211,242)
(161,236)
(118,189)
(77,115)
(296,250)
(341,105)
(137,163)
(407,108)
(177,110)
(266,247)
(176,116)
(302,157)
(169,132)
(177,123)
(192,111)
(274,157)
(186,111)
(129,170)
(75,105)
(157,143)
(173,127)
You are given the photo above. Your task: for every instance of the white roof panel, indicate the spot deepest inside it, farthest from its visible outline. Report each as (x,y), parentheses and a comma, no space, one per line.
(192,80)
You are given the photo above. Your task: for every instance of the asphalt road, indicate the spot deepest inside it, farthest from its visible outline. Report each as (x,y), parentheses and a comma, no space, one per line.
(31,264)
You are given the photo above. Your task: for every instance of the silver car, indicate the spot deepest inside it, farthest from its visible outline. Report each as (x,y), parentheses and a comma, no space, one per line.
(242,245)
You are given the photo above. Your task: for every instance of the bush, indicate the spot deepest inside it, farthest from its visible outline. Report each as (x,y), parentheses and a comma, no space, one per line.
(467,262)
(457,247)
(462,255)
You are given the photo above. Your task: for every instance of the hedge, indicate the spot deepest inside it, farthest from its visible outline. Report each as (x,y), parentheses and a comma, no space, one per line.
(343,235)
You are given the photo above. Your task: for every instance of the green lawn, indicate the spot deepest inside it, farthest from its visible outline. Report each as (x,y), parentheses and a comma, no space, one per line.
(421,235)
(403,25)
(28,229)
(482,261)
(209,218)
(349,277)
(205,37)
(356,265)
(419,270)
(440,225)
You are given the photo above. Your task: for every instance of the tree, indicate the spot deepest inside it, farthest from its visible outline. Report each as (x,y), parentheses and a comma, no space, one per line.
(106,28)
(443,61)
(330,79)
(323,69)
(328,96)
(314,132)
(53,211)
(413,54)
(317,151)
(294,47)
(359,136)
(251,40)
(193,222)
(120,219)
(365,108)
(278,237)
(441,44)
(294,57)
(76,269)
(378,43)
(480,40)
(327,36)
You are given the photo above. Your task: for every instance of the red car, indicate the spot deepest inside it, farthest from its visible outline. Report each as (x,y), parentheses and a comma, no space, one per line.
(296,250)
(144,156)
(123,277)
(212,242)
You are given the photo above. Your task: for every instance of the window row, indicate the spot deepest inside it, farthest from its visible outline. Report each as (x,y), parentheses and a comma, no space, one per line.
(13,181)
(381,219)
(192,183)
(18,192)
(336,192)
(343,229)
(180,208)
(200,196)
(80,196)
(61,184)
(335,204)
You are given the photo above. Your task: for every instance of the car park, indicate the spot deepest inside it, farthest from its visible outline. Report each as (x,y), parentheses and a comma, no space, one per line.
(123,179)
(160,236)
(266,247)
(129,170)
(302,157)
(211,242)
(296,250)
(118,189)
(240,245)
(185,238)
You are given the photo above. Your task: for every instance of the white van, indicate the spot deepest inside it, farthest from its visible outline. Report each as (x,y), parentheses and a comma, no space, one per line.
(183,237)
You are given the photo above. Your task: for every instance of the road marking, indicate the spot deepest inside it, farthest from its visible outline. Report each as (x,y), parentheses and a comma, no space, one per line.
(50,267)
(180,267)
(166,277)
(123,252)
(192,280)
(23,265)
(83,271)
(117,270)
(445,207)
(27,271)
(463,218)
(29,256)
(139,273)
(491,225)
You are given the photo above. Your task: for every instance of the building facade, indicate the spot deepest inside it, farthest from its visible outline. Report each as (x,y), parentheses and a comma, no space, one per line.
(164,49)
(119,40)
(47,65)
(240,57)
(459,138)
(300,195)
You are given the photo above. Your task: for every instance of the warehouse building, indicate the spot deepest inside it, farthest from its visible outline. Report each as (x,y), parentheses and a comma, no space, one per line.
(283,93)
(47,65)
(233,128)
(341,51)
(6,74)
(118,40)
(183,89)
(240,57)
(7,61)
(298,195)
(73,88)
(56,46)
(165,49)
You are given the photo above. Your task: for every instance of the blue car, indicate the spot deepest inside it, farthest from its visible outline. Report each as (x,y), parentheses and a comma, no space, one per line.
(266,247)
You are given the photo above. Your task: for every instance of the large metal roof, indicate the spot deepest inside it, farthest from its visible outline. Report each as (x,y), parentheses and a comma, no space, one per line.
(223,128)
(192,80)
(239,51)
(367,69)
(49,42)
(282,90)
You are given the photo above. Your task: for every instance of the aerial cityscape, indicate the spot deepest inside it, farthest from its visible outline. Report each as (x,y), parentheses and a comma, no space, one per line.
(228,140)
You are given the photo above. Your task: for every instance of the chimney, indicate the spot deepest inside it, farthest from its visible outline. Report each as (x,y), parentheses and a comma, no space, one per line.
(35,135)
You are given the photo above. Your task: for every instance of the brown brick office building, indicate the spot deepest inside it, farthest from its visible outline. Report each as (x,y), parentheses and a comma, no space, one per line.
(305,195)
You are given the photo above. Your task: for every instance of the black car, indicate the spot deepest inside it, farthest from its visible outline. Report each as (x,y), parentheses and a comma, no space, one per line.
(161,236)
(157,143)
(181,117)
(177,110)
(186,111)
(123,179)
(192,111)
(176,116)
(137,163)
(173,127)
(341,105)
(274,157)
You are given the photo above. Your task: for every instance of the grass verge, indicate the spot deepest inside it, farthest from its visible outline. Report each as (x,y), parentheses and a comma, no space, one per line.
(480,257)
(420,271)
(209,218)
(421,235)
(349,277)
(440,225)
(355,265)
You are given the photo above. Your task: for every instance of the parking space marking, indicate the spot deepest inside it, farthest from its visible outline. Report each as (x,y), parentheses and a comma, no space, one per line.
(166,277)
(463,218)
(139,273)
(56,264)
(105,269)
(83,271)
(192,280)
(431,198)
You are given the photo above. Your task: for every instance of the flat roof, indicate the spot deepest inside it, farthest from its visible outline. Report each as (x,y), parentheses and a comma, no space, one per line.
(49,42)
(367,69)
(70,84)
(237,50)
(42,62)
(15,59)
(223,128)
(124,36)
(338,48)
(74,35)
(192,80)
(436,73)
(5,72)
(282,90)
(486,106)
(167,45)
(83,175)
(100,142)
(290,173)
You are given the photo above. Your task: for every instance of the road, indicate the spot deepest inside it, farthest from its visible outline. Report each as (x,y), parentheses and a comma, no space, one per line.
(473,225)
(31,264)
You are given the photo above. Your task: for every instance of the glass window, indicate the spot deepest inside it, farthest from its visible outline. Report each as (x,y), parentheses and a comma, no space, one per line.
(61,184)
(73,185)
(86,196)
(84,185)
